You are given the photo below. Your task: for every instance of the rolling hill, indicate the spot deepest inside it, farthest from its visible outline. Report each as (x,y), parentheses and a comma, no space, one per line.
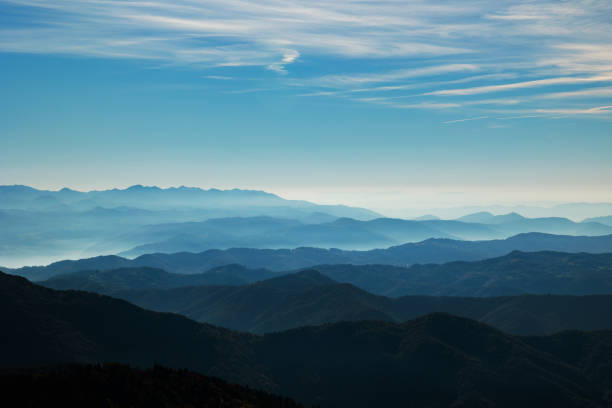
(542,272)
(310,298)
(436,360)
(109,281)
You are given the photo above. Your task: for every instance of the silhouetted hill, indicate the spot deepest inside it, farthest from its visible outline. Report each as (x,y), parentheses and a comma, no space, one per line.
(109,281)
(429,251)
(542,272)
(289,301)
(50,327)
(517,273)
(437,360)
(309,298)
(114,385)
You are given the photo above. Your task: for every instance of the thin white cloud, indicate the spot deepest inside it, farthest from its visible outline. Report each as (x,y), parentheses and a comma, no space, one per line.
(584,93)
(219,77)
(521,85)
(360,79)
(586,111)
(426,105)
(464,120)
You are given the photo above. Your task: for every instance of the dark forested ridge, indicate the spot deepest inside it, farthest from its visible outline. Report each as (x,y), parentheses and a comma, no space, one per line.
(50,327)
(513,274)
(542,272)
(120,386)
(310,298)
(425,252)
(436,360)
(109,281)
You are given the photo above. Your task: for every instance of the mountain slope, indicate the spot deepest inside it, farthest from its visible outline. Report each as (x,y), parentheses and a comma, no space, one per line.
(49,327)
(310,298)
(438,360)
(516,273)
(114,385)
(109,281)
(305,298)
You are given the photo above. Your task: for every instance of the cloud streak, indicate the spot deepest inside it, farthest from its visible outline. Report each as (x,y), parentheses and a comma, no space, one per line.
(380,48)
(521,85)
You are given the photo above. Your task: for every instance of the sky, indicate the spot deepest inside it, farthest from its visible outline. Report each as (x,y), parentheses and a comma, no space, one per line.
(390,105)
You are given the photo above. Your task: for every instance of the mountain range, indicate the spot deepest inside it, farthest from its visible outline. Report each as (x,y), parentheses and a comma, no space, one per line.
(428,251)
(174,198)
(40,226)
(344,233)
(434,361)
(311,298)
(517,273)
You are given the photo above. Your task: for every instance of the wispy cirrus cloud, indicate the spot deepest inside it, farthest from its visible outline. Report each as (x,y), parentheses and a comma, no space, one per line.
(390,76)
(448,122)
(520,85)
(597,110)
(522,46)
(605,92)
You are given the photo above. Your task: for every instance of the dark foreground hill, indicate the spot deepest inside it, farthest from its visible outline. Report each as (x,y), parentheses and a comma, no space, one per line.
(435,361)
(310,298)
(428,251)
(120,386)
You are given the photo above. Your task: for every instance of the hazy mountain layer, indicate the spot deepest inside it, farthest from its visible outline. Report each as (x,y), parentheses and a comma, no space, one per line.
(429,251)
(437,360)
(155,198)
(601,220)
(344,233)
(40,225)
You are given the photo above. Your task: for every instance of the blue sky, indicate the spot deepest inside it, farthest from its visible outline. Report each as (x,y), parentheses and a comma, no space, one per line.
(387,104)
